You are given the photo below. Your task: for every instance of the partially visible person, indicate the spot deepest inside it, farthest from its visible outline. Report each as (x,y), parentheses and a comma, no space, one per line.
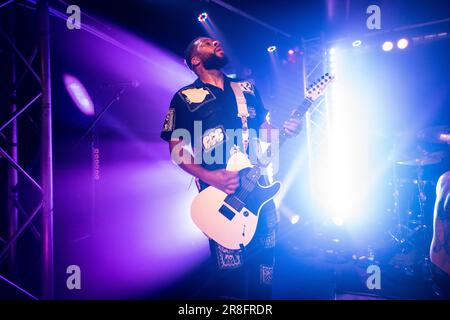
(440,245)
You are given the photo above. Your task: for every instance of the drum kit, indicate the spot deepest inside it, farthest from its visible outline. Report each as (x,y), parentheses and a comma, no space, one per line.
(413,184)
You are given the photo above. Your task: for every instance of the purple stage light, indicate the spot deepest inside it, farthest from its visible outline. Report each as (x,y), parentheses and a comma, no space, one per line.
(202,17)
(291,51)
(146,257)
(79,94)
(271,48)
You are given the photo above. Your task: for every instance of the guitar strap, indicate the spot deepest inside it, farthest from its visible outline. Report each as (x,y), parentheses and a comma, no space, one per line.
(242,112)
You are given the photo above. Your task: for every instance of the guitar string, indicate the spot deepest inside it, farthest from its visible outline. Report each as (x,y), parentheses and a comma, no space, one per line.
(243,192)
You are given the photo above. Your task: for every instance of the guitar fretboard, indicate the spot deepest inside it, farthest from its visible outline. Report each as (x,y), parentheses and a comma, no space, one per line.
(255,173)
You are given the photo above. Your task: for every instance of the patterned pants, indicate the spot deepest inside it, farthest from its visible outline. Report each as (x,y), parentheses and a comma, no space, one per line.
(248,273)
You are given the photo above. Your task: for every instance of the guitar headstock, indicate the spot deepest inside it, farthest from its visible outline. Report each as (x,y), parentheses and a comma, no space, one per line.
(315,90)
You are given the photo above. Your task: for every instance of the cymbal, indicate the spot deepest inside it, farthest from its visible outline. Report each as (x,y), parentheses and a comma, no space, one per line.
(422,158)
(437,134)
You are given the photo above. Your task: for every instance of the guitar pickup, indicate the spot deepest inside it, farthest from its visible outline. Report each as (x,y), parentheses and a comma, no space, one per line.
(226,212)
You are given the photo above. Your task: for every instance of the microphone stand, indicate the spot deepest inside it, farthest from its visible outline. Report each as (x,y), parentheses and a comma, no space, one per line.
(97,117)
(95,156)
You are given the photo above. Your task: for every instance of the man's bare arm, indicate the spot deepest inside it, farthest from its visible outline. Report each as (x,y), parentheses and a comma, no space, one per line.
(222,179)
(440,246)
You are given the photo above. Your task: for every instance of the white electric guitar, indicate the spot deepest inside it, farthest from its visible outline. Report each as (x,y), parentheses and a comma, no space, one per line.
(231,220)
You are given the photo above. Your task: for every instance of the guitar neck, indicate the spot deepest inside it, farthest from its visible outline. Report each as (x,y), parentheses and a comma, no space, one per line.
(298,113)
(311,94)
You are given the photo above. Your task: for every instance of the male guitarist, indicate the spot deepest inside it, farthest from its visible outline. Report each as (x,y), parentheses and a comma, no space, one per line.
(212,101)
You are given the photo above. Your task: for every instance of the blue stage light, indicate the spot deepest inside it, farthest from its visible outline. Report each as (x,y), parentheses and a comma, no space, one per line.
(272,48)
(402,43)
(357,43)
(388,46)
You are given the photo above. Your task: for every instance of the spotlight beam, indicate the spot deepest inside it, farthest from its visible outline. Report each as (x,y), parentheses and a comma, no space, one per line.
(95,31)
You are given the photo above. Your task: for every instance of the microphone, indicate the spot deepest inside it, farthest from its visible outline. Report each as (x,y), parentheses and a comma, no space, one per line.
(133,84)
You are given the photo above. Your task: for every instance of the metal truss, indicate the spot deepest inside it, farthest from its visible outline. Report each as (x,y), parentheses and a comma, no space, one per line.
(8,132)
(317,118)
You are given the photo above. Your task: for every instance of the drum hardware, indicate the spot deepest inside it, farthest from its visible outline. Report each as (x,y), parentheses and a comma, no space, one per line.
(436,135)
(411,232)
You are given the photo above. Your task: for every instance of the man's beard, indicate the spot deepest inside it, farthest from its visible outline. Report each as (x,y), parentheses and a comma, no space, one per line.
(213,62)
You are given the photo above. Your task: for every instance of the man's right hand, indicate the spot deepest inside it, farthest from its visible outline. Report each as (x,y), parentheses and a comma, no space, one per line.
(227,181)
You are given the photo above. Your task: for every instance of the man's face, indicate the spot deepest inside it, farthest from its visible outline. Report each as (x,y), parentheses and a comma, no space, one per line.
(211,54)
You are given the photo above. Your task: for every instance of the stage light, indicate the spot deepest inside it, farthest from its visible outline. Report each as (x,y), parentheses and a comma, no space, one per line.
(356,43)
(202,17)
(291,52)
(79,94)
(402,43)
(338,221)
(333,67)
(271,48)
(341,166)
(388,46)
(295,219)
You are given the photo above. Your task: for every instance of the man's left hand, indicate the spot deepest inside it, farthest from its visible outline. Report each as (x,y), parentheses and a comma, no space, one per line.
(292,127)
